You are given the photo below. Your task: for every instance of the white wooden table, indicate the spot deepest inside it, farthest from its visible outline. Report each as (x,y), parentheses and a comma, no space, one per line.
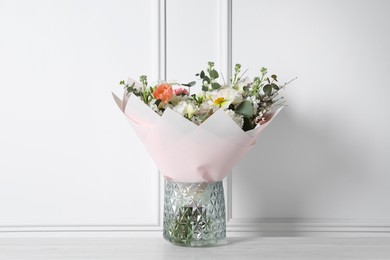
(158,248)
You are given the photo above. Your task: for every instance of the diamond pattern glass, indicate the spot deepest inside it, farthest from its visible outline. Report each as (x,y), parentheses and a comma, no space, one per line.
(194,213)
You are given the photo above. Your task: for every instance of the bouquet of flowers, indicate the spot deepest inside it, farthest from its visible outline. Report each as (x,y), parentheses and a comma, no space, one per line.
(198,138)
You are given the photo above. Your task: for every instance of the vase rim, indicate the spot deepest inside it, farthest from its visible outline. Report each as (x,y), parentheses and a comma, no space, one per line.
(175,181)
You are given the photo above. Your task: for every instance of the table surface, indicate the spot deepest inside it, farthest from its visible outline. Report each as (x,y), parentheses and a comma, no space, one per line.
(232,248)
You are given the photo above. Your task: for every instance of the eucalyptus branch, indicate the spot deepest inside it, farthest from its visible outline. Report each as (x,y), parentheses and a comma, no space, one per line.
(286,83)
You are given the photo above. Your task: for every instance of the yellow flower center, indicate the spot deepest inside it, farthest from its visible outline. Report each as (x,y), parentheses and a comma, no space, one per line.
(219,101)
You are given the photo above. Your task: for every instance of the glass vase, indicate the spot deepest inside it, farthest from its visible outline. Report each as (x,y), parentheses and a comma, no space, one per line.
(194,213)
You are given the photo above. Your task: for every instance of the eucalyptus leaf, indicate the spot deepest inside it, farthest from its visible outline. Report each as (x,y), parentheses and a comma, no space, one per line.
(190,84)
(276,87)
(215,85)
(245,108)
(204,88)
(202,74)
(267,89)
(214,74)
(205,78)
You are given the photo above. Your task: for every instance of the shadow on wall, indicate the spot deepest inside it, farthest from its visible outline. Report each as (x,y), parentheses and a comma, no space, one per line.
(299,170)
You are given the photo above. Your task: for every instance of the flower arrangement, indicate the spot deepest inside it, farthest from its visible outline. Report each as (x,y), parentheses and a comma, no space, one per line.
(196,139)
(248,103)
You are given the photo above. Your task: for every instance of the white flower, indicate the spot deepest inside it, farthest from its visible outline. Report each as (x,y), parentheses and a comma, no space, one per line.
(227,96)
(185,108)
(154,107)
(180,107)
(177,99)
(205,107)
(190,109)
(238,119)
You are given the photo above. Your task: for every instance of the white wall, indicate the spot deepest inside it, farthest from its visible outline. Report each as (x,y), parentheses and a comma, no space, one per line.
(325,159)
(69,161)
(68,158)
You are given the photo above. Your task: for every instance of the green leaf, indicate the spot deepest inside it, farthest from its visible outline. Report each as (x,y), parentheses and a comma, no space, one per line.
(274,77)
(276,87)
(205,78)
(130,88)
(122,82)
(190,84)
(204,88)
(215,85)
(197,74)
(267,89)
(158,101)
(245,108)
(214,74)
(202,74)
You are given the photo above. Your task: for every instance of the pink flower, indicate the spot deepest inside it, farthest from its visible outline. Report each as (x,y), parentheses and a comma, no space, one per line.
(163,92)
(181,91)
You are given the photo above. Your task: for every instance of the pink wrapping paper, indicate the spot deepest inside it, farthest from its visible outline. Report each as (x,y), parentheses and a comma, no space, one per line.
(184,151)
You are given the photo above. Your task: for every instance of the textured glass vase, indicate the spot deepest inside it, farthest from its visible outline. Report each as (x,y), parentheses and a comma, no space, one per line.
(194,213)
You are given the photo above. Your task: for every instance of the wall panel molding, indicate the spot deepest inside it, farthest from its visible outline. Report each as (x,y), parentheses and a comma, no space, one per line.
(309,227)
(225,65)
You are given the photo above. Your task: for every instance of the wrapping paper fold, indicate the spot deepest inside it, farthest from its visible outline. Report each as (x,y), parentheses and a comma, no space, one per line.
(184,151)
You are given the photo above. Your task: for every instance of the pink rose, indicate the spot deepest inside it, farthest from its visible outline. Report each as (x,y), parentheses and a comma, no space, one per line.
(163,92)
(181,91)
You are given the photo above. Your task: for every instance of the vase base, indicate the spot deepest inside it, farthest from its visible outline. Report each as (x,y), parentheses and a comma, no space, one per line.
(196,243)
(194,213)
